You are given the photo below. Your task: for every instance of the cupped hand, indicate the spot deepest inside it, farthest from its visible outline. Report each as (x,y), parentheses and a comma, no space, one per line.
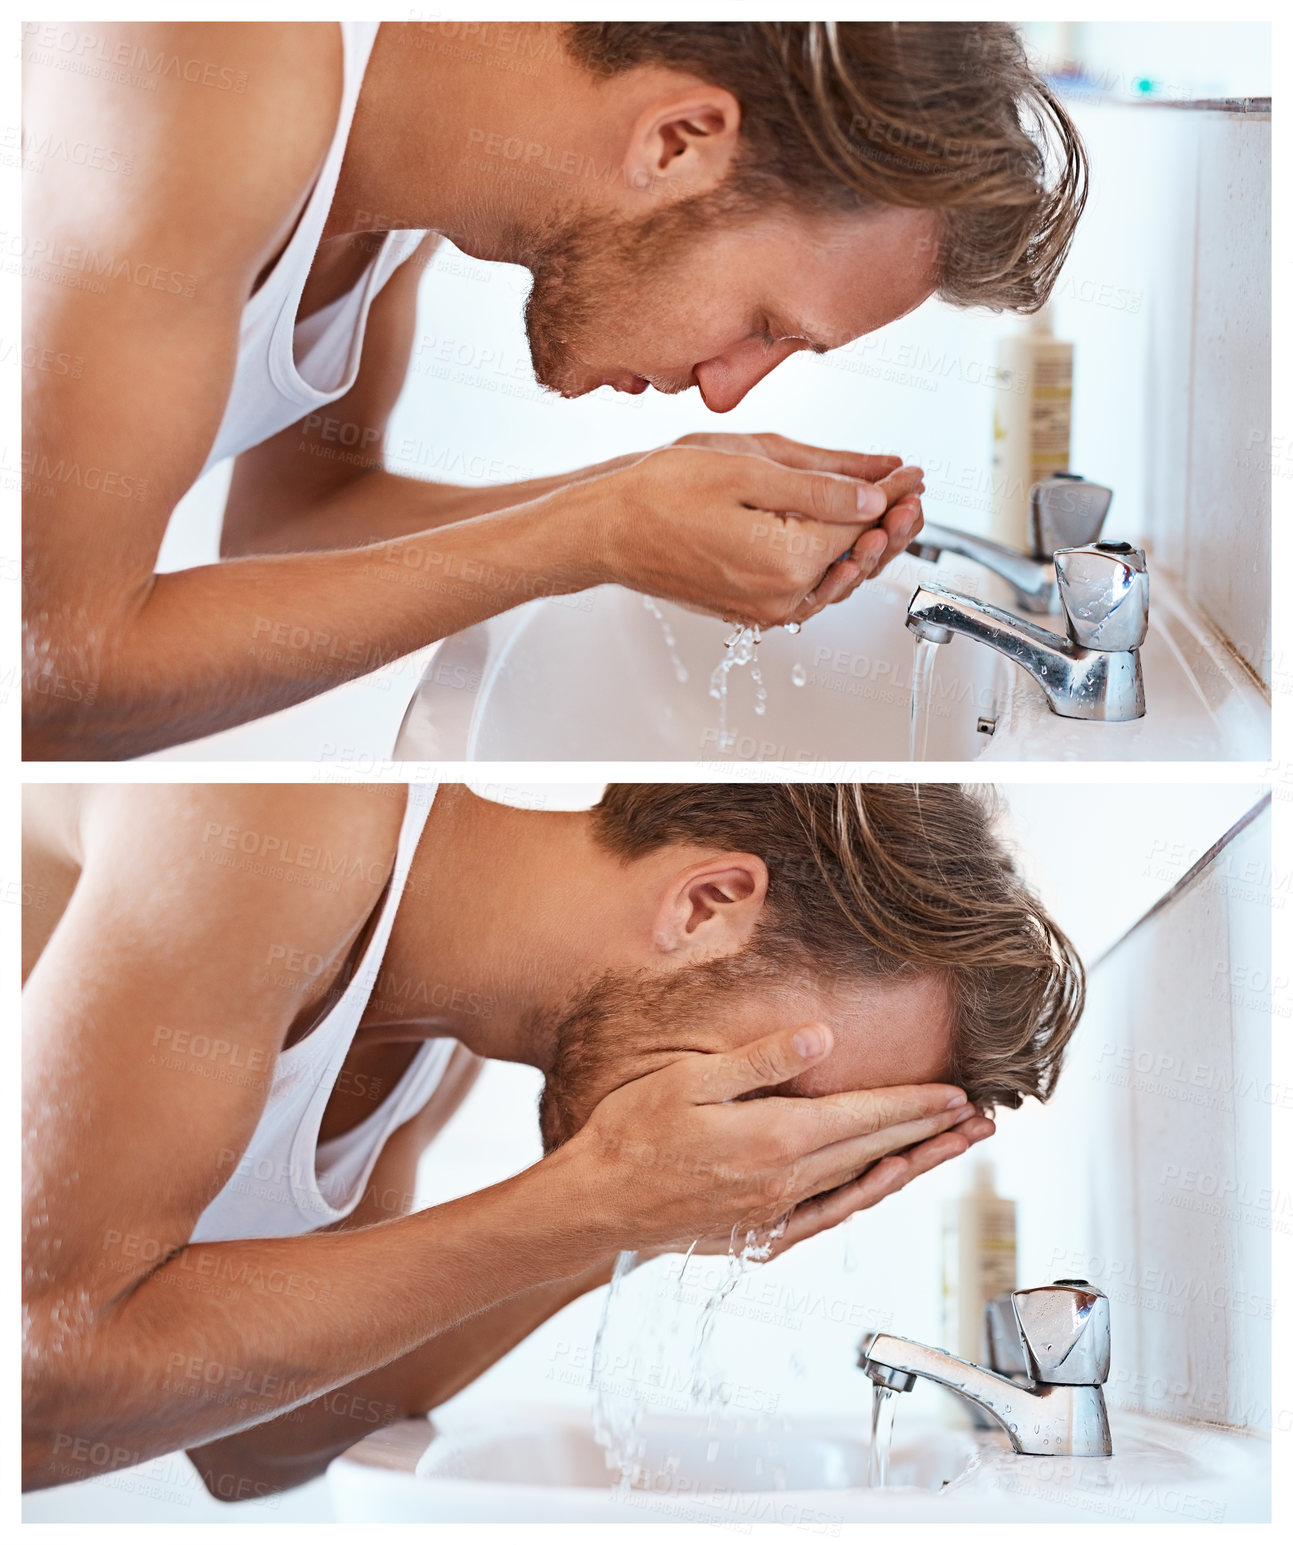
(749,528)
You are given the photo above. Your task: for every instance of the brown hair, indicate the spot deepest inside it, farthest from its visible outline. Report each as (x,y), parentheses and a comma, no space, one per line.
(881,879)
(844,116)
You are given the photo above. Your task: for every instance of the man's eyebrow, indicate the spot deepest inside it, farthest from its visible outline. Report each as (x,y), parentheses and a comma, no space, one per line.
(784,330)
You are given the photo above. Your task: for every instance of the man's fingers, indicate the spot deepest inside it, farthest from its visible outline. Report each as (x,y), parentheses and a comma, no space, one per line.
(901,482)
(831,1166)
(763,1064)
(881,1179)
(901,524)
(869,554)
(834,1118)
(896,1170)
(816,458)
(884,1178)
(795,453)
(839,581)
(822,496)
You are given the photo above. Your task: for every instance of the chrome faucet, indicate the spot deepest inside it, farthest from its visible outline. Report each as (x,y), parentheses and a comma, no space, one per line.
(1064,511)
(1063,1338)
(1093,672)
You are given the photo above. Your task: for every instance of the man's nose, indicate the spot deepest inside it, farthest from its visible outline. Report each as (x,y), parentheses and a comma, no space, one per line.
(725,379)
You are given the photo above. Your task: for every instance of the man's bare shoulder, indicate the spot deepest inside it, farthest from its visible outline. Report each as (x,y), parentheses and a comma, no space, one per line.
(211,132)
(318,854)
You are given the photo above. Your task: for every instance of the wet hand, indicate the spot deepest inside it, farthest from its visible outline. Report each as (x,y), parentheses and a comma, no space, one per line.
(683,1153)
(888,536)
(740,527)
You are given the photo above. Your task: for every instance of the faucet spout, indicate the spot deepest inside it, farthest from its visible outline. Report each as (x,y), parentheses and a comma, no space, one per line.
(1031,580)
(1078,682)
(1068,1419)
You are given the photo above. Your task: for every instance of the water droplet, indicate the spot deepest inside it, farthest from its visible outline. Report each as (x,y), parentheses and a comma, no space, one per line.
(792,627)
(798,674)
(670,639)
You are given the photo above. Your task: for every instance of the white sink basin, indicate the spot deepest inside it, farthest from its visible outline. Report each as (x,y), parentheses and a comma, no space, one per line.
(590,677)
(543,1465)
(546,1465)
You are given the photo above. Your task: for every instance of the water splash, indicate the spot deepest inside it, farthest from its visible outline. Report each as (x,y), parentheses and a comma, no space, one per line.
(756,1247)
(883,1410)
(742,647)
(670,639)
(615,1423)
(760,691)
(623,1386)
(922,692)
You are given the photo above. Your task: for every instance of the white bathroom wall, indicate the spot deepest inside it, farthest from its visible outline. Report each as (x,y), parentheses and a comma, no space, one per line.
(1150,1172)
(1167,296)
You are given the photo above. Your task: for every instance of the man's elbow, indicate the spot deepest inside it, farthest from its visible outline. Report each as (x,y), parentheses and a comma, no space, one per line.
(249,1480)
(64,1435)
(57,718)
(77,683)
(256,1463)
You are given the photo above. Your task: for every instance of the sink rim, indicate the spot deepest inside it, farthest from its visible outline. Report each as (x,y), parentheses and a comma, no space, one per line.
(482,650)
(1228,1467)
(402,1447)
(1225,720)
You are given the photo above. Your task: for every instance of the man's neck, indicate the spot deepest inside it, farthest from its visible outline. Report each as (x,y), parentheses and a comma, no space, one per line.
(504,912)
(444,126)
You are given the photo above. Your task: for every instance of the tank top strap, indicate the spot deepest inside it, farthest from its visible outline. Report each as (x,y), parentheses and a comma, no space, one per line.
(357,39)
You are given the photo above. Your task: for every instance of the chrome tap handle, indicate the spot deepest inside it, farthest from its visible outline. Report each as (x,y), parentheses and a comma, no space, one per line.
(1001,1336)
(1104,590)
(1066,511)
(1065,1332)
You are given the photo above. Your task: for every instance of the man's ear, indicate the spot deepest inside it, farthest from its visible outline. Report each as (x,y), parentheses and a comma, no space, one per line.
(711,909)
(683,144)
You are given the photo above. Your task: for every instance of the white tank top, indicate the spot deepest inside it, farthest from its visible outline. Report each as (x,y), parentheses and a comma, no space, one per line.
(287,1182)
(287,369)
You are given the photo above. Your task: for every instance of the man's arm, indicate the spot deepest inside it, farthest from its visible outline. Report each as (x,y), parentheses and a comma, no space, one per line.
(295,1448)
(136,1112)
(152,1022)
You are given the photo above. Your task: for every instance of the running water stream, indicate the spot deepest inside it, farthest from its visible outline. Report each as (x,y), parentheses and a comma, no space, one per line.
(883,1409)
(922,694)
(621,1396)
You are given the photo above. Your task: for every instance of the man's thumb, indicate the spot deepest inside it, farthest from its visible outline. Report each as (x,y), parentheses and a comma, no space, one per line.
(772,1060)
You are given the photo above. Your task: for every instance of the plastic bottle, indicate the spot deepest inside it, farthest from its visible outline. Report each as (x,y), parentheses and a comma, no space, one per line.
(978,1261)
(1031,418)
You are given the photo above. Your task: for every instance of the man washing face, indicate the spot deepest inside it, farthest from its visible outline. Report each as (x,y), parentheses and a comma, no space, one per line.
(250,291)
(249,1010)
